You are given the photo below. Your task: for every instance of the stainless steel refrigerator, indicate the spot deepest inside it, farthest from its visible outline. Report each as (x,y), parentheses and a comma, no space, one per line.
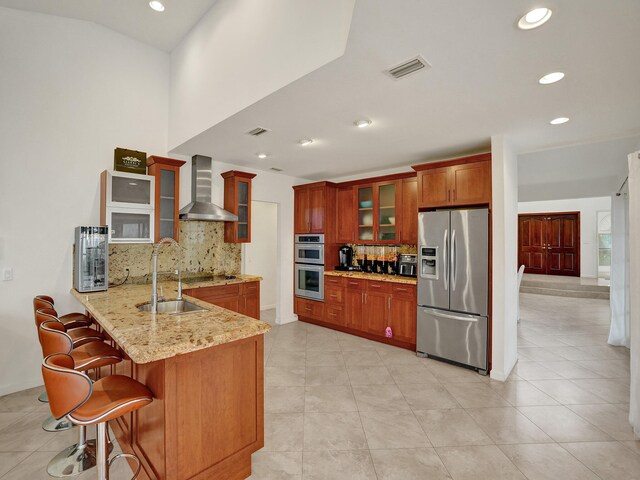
(453,286)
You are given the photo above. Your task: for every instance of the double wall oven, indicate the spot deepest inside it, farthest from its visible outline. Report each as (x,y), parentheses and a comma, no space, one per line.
(310,266)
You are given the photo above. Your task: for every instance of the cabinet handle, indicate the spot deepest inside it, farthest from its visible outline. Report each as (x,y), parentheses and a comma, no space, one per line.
(307,308)
(398,289)
(365,298)
(353,283)
(374,286)
(448,195)
(333,296)
(331,314)
(454,195)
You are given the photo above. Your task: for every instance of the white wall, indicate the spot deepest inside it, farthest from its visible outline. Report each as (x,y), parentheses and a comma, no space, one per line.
(70,92)
(260,256)
(588,208)
(243,50)
(504,176)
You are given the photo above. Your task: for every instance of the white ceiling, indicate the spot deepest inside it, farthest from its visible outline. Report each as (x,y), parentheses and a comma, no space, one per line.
(131,17)
(483,81)
(578,171)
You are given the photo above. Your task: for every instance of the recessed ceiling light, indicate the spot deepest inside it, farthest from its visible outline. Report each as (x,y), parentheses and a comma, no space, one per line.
(262,155)
(534,18)
(156,5)
(559,121)
(305,141)
(551,78)
(362,123)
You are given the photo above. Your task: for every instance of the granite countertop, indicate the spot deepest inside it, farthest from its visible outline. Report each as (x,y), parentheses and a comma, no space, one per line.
(374,276)
(147,338)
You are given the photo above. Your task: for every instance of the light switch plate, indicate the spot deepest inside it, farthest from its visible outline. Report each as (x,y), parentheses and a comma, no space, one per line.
(7,274)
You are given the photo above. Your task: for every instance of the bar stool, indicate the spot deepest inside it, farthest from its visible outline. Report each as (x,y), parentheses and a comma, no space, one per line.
(70,320)
(79,335)
(79,457)
(72,394)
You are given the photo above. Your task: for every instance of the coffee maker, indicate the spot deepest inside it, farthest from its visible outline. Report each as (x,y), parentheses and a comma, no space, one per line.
(345,258)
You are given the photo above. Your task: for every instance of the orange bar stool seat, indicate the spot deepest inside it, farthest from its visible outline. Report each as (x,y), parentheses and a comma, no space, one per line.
(79,336)
(80,456)
(72,394)
(70,320)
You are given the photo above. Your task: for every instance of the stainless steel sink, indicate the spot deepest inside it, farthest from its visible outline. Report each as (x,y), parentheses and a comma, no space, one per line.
(174,307)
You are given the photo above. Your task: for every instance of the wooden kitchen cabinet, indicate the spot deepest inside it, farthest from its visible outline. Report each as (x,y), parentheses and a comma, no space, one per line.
(403,312)
(366,308)
(471,183)
(346,217)
(237,200)
(309,208)
(460,182)
(353,308)
(305,307)
(379,212)
(409,212)
(242,298)
(167,191)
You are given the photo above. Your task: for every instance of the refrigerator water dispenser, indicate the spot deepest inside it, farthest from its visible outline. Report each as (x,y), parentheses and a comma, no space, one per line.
(429,262)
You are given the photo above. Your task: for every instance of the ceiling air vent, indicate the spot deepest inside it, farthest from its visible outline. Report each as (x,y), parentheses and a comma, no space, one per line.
(406,68)
(276,169)
(257,131)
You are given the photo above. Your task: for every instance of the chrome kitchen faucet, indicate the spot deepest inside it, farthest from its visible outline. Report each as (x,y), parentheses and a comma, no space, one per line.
(154,280)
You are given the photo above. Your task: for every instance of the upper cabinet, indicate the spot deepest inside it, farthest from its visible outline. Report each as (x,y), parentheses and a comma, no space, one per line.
(379,208)
(127,202)
(460,182)
(346,215)
(237,200)
(409,209)
(310,207)
(167,195)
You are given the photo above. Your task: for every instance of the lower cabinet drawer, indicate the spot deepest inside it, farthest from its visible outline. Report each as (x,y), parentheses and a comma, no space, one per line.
(402,290)
(334,315)
(309,308)
(355,283)
(333,280)
(333,295)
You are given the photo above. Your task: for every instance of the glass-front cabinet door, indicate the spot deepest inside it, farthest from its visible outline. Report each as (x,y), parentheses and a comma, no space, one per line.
(237,200)
(365,214)
(387,208)
(167,181)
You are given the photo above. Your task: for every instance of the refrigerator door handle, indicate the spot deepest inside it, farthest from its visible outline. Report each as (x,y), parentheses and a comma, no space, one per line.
(449,316)
(446,258)
(454,265)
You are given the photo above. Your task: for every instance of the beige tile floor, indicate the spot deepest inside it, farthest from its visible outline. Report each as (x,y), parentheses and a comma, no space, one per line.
(340,407)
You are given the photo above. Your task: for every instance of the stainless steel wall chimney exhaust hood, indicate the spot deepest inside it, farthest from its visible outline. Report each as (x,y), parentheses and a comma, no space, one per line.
(201,207)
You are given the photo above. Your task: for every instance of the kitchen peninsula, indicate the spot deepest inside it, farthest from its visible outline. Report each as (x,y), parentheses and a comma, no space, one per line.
(206,371)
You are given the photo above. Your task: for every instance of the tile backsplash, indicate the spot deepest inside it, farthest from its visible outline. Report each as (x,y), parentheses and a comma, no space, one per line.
(203,251)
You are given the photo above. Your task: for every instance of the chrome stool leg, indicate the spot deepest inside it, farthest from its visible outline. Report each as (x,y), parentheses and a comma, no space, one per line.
(53,425)
(102,454)
(43,397)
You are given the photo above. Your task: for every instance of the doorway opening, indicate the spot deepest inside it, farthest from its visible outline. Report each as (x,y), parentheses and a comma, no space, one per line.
(549,243)
(260,257)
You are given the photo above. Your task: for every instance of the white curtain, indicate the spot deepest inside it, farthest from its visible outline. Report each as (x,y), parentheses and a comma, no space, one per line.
(620,331)
(634,277)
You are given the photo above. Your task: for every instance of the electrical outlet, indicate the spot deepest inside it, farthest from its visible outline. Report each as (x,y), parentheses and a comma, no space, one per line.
(7,274)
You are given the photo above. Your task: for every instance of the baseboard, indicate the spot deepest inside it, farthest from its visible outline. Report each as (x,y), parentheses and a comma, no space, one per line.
(500,375)
(285,320)
(18,387)
(267,307)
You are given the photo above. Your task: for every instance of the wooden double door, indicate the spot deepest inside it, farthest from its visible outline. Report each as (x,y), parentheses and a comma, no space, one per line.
(549,243)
